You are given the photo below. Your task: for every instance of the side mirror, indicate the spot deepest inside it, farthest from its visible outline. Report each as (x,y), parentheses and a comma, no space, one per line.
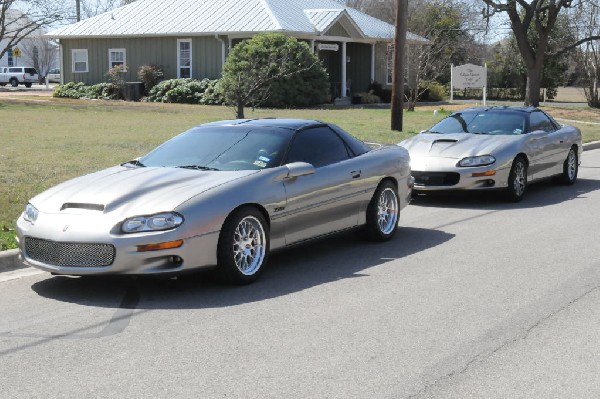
(297,169)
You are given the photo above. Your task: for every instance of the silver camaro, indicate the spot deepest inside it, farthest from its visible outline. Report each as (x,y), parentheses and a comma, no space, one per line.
(221,194)
(483,148)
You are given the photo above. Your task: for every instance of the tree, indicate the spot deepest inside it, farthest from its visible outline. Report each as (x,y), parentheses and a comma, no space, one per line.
(532,23)
(255,64)
(586,24)
(43,53)
(21,18)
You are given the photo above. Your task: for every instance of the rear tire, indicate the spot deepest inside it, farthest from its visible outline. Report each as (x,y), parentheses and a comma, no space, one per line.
(243,246)
(517,180)
(27,85)
(14,82)
(383,213)
(570,168)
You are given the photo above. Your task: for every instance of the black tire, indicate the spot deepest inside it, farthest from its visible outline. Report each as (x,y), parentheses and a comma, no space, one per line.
(570,167)
(383,213)
(13,82)
(3,84)
(517,180)
(27,85)
(246,226)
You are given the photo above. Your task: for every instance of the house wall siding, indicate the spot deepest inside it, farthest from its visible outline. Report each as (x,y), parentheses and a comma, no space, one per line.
(206,57)
(359,67)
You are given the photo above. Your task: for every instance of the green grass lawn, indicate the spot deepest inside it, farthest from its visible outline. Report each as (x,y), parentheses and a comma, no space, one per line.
(43,143)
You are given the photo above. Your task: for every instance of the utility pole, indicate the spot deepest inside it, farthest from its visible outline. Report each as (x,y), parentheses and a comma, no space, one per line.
(78,10)
(399,64)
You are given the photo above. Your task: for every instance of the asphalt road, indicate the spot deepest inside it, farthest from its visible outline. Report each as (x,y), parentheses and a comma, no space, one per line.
(474,297)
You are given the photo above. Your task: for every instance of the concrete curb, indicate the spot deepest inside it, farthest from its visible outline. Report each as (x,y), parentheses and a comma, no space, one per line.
(9,260)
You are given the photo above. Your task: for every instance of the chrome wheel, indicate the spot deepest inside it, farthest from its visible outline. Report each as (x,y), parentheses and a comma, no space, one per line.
(571,165)
(387,211)
(249,245)
(520,179)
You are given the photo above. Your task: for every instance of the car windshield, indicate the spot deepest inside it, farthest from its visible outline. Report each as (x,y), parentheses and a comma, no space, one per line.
(222,148)
(482,122)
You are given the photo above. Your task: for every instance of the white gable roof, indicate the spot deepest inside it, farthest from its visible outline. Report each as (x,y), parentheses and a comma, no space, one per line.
(204,17)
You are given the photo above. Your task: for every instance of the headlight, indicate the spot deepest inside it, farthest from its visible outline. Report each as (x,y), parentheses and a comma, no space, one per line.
(158,222)
(30,213)
(482,160)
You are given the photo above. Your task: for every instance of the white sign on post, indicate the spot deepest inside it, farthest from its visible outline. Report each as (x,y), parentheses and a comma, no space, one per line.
(468,76)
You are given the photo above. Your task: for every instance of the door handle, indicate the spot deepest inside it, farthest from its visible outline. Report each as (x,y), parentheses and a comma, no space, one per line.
(355,174)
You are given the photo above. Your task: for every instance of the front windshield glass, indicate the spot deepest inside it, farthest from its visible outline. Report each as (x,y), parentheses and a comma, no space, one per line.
(482,122)
(222,148)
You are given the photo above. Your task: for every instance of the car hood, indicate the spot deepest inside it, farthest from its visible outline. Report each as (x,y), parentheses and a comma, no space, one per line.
(132,190)
(456,145)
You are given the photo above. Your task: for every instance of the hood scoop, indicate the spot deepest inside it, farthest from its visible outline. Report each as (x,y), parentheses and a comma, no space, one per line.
(89,207)
(441,144)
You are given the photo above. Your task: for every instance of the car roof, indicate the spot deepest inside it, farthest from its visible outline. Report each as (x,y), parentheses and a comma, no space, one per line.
(292,124)
(517,108)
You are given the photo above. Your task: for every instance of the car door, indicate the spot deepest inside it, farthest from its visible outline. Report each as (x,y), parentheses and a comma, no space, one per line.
(547,145)
(328,200)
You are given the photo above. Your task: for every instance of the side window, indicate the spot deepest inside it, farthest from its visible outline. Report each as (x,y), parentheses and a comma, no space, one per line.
(117,57)
(80,60)
(539,121)
(184,58)
(319,146)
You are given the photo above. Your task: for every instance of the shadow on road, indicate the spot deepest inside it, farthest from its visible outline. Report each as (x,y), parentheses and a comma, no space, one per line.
(293,270)
(538,195)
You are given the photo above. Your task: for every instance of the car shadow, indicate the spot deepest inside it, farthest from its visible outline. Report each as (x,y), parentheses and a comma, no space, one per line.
(538,195)
(292,270)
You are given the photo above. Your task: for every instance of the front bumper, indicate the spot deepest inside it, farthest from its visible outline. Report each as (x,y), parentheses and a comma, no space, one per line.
(442,174)
(62,250)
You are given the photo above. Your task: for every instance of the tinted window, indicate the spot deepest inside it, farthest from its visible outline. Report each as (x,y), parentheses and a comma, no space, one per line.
(14,70)
(539,121)
(318,146)
(30,71)
(222,148)
(486,122)
(356,146)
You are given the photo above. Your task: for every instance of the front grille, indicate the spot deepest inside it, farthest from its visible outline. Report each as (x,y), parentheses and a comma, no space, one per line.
(435,178)
(69,254)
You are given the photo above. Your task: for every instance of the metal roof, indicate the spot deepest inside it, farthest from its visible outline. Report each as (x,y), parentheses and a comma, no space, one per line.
(194,18)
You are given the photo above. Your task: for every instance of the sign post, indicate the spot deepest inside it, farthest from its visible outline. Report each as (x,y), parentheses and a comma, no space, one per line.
(16,52)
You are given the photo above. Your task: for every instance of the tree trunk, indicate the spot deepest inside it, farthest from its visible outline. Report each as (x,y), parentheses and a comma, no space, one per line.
(532,90)
(239,114)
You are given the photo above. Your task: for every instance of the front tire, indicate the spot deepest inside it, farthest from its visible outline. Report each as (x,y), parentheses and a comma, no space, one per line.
(517,180)
(243,246)
(570,168)
(383,212)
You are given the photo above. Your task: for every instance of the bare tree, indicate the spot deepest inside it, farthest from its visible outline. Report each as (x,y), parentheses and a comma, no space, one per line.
(532,23)
(19,19)
(42,52)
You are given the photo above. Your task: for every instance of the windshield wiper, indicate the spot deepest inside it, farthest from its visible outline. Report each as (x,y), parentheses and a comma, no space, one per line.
(133,162)
(198,167)
(433,132)
(479,132)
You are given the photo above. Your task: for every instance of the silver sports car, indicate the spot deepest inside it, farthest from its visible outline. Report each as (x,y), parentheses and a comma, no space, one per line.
(221,194)
(484,148)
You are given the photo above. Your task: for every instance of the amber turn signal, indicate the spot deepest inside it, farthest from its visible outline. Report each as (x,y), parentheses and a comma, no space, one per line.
(483,174)
(160,246)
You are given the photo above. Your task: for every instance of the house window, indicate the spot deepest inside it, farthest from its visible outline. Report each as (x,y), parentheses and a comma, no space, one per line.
(184,58)
(11,60)
(80,60)
(390,64)
(116,57)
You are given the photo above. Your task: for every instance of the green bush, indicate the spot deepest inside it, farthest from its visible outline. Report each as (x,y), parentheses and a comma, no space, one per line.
(70,90)
(185,91)
(368,98)
(437,92)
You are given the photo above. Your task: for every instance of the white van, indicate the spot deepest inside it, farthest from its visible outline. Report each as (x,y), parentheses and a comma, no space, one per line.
(18,75)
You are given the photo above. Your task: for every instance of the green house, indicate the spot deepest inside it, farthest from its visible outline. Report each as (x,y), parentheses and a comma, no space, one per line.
(192,39)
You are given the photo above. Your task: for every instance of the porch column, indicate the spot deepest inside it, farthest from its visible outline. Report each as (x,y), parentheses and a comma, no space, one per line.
(344,88)
(372,62)
(312,46)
